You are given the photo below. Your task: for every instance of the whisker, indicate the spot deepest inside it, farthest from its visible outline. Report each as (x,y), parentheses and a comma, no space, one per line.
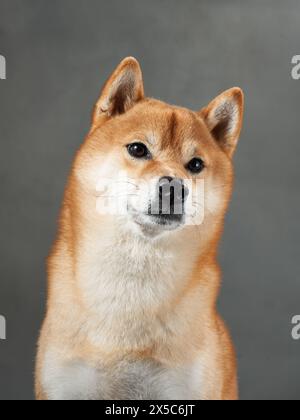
(116,195)
(127,182)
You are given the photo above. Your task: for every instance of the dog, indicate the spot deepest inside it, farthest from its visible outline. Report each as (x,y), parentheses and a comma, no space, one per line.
(131,311)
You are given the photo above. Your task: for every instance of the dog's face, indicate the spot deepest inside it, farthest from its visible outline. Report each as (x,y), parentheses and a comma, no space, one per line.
(159,167)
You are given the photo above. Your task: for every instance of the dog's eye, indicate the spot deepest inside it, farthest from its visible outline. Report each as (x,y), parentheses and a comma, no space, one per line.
(138,151)
(196,166)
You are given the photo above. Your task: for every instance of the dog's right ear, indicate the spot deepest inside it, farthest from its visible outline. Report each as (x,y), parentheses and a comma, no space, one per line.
(224,118)
(121,92)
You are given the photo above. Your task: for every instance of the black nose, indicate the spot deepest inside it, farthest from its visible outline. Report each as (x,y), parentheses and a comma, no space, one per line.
(172,195)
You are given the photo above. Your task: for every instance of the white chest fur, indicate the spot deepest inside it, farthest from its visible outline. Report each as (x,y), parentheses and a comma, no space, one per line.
(127,380)
(127,286)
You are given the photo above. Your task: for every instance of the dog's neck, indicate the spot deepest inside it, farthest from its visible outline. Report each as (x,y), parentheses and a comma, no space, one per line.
(120,261)
(134,288)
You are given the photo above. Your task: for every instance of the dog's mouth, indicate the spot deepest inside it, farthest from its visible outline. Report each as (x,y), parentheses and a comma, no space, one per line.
(167,220)
(155,224)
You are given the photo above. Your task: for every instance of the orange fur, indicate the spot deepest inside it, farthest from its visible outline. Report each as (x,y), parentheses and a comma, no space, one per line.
(186,324)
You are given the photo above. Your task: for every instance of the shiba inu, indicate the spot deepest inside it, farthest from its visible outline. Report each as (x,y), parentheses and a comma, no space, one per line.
(131,310)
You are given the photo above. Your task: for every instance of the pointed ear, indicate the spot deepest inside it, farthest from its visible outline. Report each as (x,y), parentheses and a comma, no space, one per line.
(224,118)
(122,91)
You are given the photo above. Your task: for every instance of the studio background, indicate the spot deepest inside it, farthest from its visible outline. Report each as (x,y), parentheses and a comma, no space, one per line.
(58,54)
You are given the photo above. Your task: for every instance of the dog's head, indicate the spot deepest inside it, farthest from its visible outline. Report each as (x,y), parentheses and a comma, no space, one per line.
(157,166)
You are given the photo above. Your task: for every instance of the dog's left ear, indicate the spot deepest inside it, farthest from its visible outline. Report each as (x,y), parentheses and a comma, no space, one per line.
(122,91)
(224,119)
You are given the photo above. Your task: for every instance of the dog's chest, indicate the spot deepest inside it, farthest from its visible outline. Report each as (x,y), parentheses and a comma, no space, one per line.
(126,289)
(126,380)
(128,285)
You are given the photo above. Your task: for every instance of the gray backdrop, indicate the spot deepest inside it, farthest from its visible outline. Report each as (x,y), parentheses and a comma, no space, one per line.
(59,53)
